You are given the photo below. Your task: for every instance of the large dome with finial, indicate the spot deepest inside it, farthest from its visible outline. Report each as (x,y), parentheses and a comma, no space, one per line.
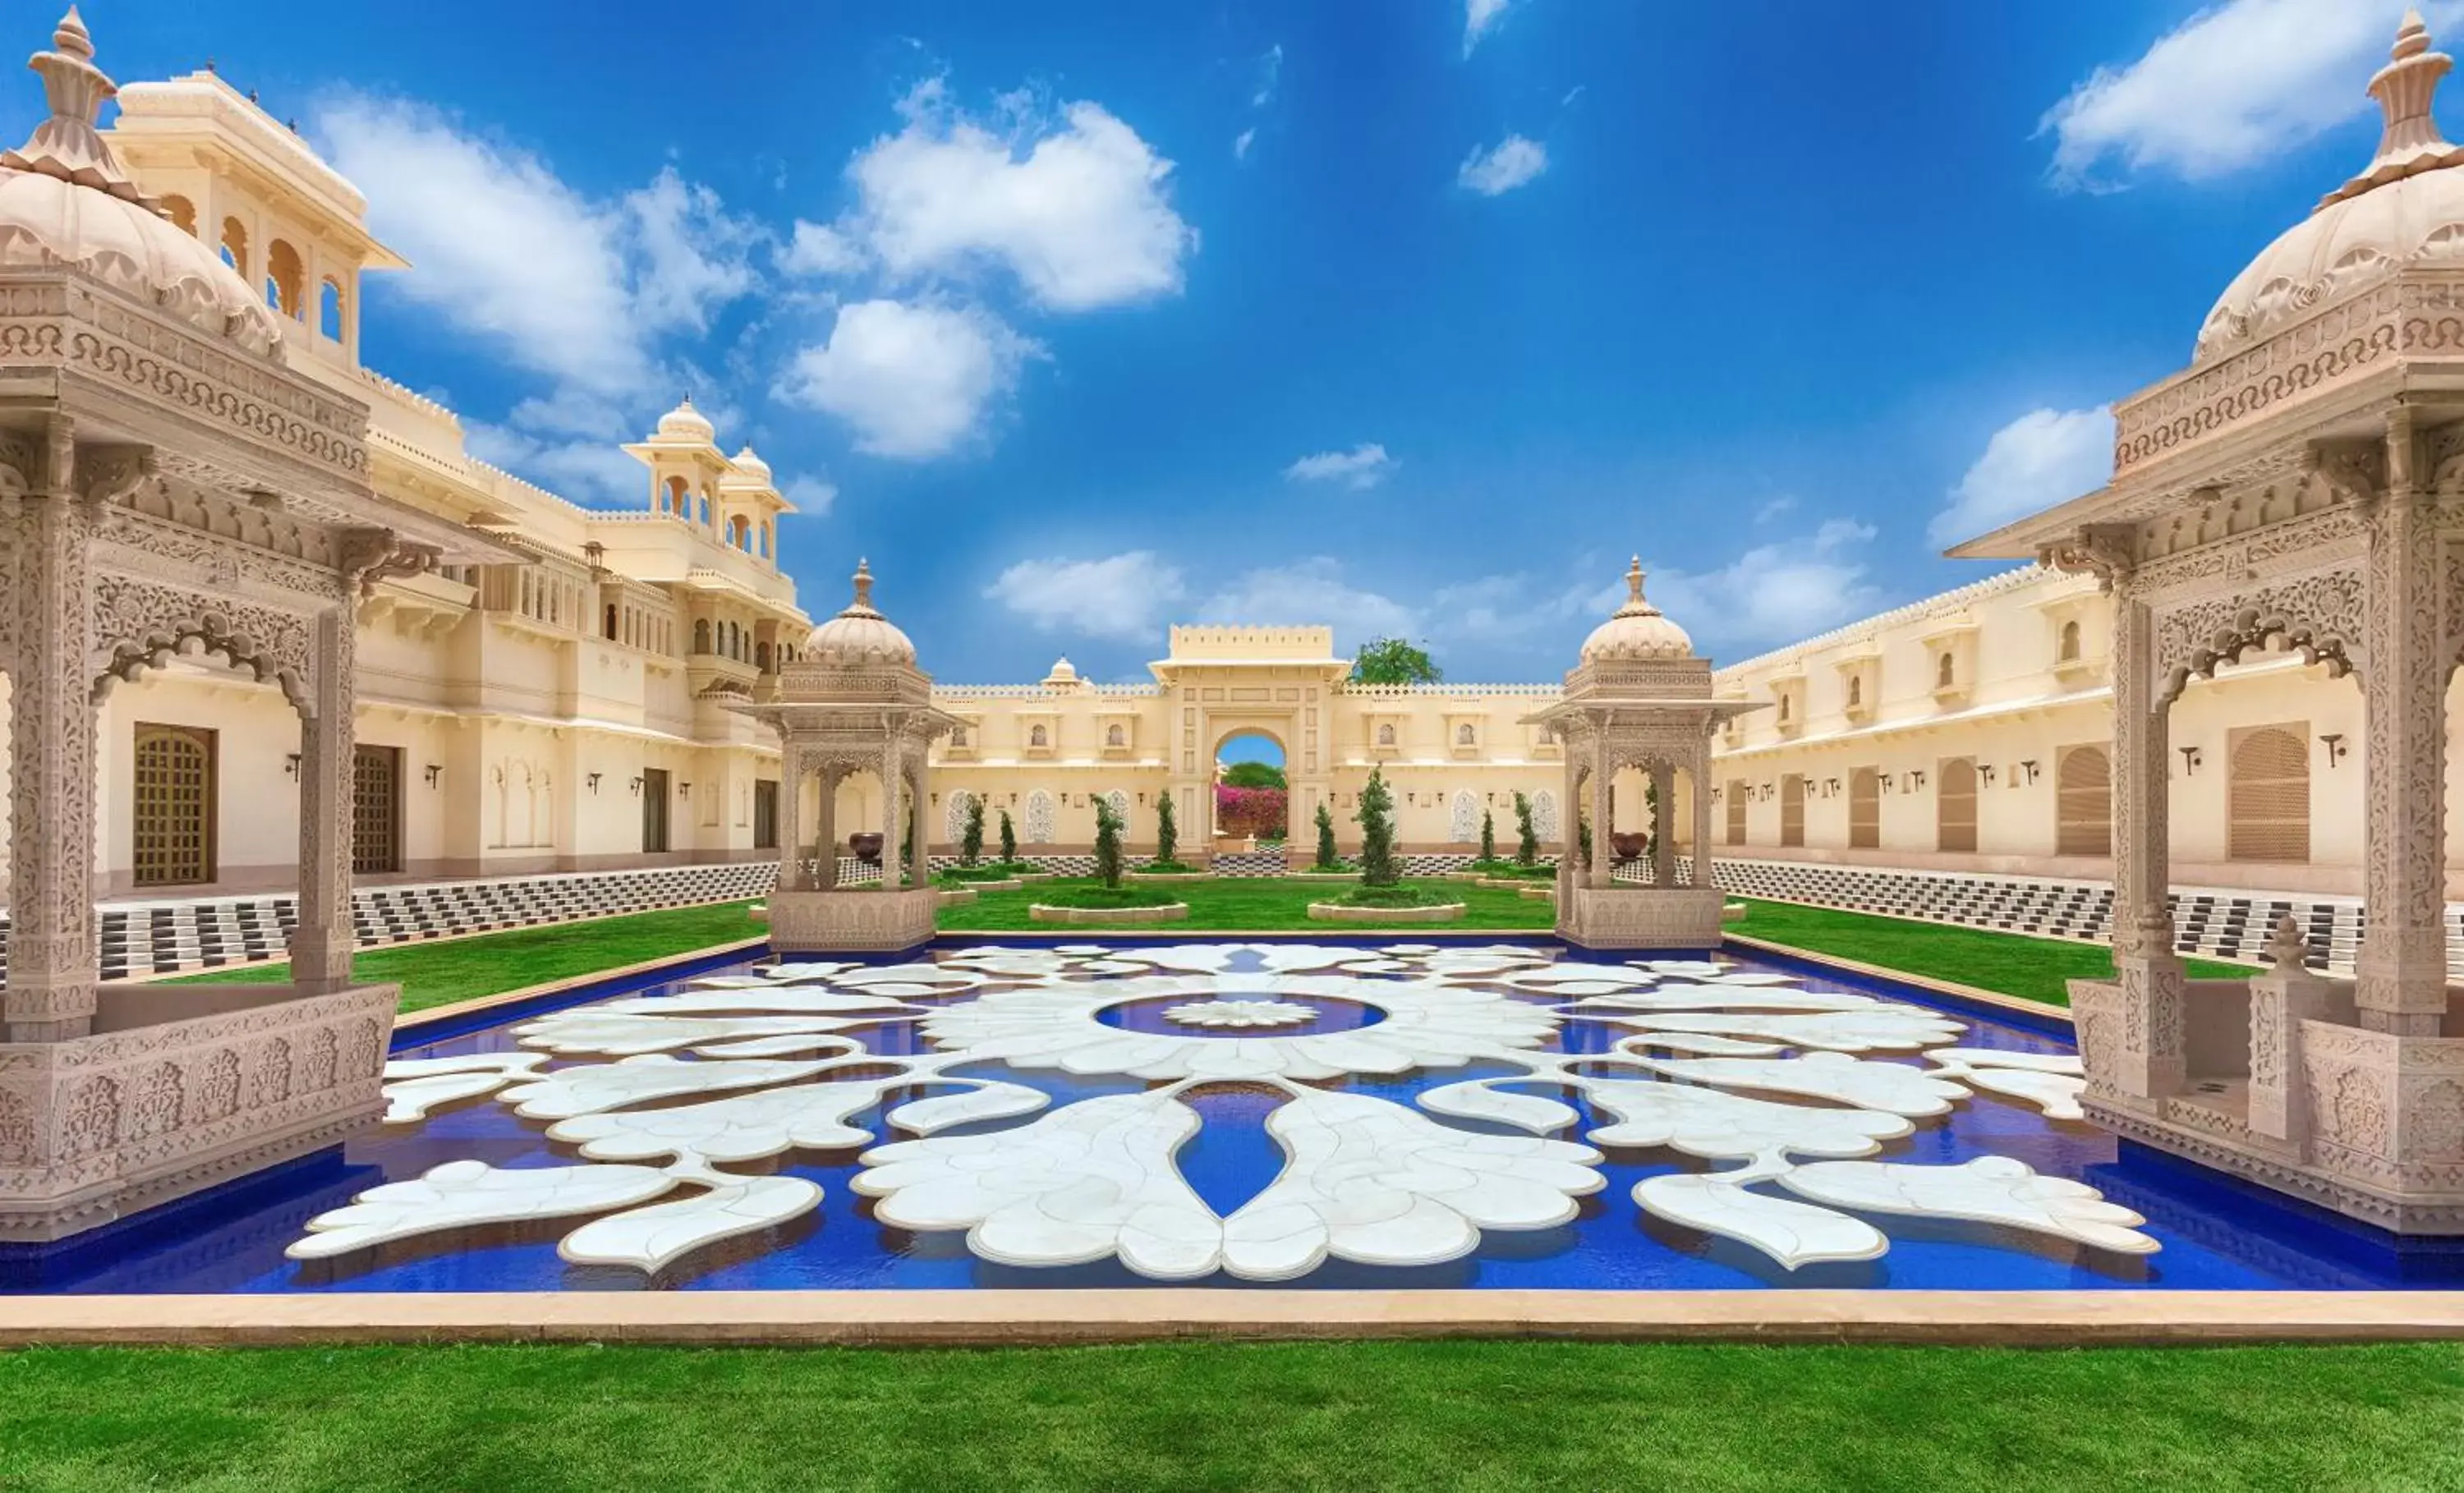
(2407,206)
(859,635)
(685,423)
(1638,630)
(64,200)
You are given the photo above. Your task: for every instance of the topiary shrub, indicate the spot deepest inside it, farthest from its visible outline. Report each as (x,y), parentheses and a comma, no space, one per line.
(971,840)
(1108,843)
(1378,867)
(1167,837)
(1326,859)
(1527,845)
(1487,837)
(1008,840)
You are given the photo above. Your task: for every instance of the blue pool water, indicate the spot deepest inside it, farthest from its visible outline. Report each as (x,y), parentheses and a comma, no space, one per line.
(2215,1233)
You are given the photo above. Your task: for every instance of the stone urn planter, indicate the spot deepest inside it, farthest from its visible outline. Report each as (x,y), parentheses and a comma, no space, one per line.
(1628,848)
(866,848)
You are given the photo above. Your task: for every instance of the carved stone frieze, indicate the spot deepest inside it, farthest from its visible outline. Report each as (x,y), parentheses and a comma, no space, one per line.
(884,920)
(2321,615)
(139,624)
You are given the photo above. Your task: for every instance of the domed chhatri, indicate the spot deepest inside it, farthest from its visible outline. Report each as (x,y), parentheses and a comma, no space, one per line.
(65,200)
(685,423)
(750,466)
(1638,629)
(2407,206)
(858,634)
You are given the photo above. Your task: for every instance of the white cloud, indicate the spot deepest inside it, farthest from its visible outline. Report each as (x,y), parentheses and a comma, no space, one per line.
(1775,507)
(2233,87)
(818,249)
(1311,591)
(2044,457)
(1479,17)
(811,495)
(915,379)
(569,287)
(1771,594)
(1505,166)
(1077,208)
(1270,72)
(1241,143)
(1360,467)
(581,469)
(1124,597)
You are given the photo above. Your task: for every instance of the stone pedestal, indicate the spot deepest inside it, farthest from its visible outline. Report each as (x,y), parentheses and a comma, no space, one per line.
(1640,917)
(838,922)
(156,1103)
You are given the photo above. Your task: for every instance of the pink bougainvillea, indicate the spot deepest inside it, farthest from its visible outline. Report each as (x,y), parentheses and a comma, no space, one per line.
(1251,811)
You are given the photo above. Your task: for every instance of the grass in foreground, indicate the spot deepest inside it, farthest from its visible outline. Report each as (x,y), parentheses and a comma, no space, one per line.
(1349,1415)
(2009,964)
(465,968)
(1263,903)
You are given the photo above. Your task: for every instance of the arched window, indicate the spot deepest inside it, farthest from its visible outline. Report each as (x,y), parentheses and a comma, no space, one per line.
(957,736)
(740,529)
(329,309)
(673,500)
(1463,826)
(1864,809)
(702,635)
(286,280)
(1114,736)
(611,623)
(1783,709)
(704,511)
(1955,806)
(2083,800)
(2069,649)
(2268,802)
(1736,810)
(1385,736)
(1464,735)
(1944,672)
(761,656)
(181,212)
(1037,735)
(1039,818)
(1856,692)
(234,246)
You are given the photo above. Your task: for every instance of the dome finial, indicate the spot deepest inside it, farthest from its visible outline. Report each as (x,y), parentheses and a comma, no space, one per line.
(2406,89)
(1634,581)
(67,145)
(864,584)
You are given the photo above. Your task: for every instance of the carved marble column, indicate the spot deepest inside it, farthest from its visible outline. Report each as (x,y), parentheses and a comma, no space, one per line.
(1603,785)
(54,967)
(1664,822)
(2401,973)
(791,819)
(825,829)
(920,819)
(1574,749)
(2151,1052)
(1701,771)
(893,809)
(323,941)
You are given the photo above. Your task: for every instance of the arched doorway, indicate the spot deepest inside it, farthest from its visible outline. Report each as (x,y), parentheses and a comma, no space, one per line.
(1251,794)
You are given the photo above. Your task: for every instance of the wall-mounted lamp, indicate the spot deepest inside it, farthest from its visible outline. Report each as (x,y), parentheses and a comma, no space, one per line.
(2190,759)
(435,771)
(2337,751)
(637,787)
(594,785)
(1890,784)
(290,764)
(1830,787)
(683,789)
(1985,775)
(2029,767)
(1917,780)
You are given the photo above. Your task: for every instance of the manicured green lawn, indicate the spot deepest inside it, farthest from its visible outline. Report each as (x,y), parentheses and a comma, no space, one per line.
(1261,904)
(464,969)
(2007,965)
(1344,1415)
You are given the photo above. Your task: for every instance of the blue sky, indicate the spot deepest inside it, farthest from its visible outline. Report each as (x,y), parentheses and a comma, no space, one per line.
(1410,315)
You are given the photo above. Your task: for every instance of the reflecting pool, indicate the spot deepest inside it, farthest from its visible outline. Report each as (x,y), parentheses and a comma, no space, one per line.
(1324,1115)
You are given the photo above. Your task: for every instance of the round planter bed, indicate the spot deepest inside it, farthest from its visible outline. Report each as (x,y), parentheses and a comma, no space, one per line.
(1168,912)
(1344,912)
(1335,876)
(1519,882)
(1173,875)
(954,896)
(1005,883)
(1544,892)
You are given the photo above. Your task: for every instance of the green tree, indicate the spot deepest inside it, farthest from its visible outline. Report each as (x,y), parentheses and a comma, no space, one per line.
(1254,775)
(1009,840)
(1325,856)
(1393,661)
(1527,843)
(1378,867)
(971,840)
(1487,835)
(1167,837)
(1107,842)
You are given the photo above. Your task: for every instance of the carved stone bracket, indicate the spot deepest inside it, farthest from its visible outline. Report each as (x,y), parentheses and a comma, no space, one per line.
(2354,472)
(370,556)
(2106,551)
